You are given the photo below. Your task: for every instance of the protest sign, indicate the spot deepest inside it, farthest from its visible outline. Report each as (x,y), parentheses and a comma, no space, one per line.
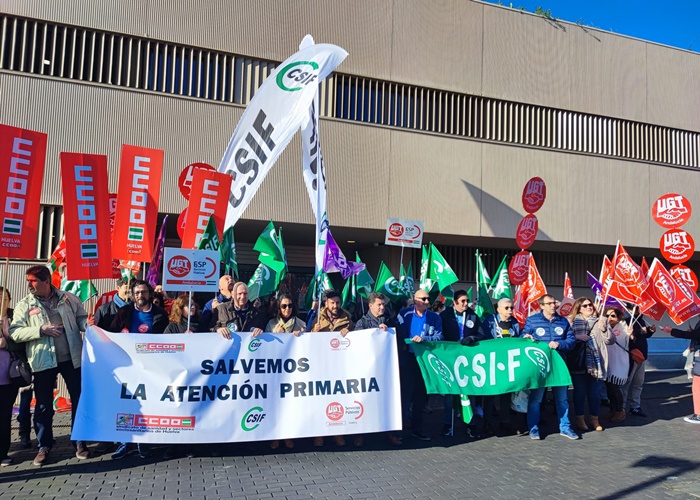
(202,388)
(140,172)
(86,211)
(22,156)
(490,367)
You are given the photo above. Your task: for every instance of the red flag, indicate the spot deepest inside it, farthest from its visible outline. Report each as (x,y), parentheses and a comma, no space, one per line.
(57,262)
(208,198)
(86,212)
(105,298)
(625,278)
(651,306)
(22,156)
(681,306)
(536,288)
(568,291)
(137,203)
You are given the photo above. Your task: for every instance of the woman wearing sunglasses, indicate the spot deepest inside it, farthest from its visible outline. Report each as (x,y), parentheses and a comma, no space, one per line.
(587,362)
(618,361)
(285,321)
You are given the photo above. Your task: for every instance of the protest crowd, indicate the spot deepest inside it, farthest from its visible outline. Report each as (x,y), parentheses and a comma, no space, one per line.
(604,347)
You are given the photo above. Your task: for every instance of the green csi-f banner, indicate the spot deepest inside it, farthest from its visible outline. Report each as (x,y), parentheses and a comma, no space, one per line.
(490,367)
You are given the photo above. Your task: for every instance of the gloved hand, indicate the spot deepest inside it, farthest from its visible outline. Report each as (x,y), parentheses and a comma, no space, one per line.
(468,341)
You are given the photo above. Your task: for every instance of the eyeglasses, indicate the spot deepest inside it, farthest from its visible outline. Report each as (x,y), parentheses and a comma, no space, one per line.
(286,306)
(508,308)
(549,303)
(613,315)
(424,299)
(587,305)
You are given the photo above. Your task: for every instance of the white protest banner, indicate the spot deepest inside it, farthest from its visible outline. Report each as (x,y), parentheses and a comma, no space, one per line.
(202,388)
(404,233)
(194,270)
(314,171)
(279,107)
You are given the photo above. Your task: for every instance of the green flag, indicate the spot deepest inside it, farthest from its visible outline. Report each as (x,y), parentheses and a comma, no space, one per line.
(271,252)
(363,280)
(403,283)
(210,237)
(490,367)
(484,306)
(281,274)
(409,279)
(263,282)
(84,289)
(439,271)
(449,295)
(500,285)
(349,295)
(319,284)
(388,285)
(227,250)
(425,282)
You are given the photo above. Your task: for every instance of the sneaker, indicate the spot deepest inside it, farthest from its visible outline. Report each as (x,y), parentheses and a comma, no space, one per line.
(535,433)
(122,451)
(42,456)
(394,439)
(637,412)
(693,419)
(446,430)
(143,450)
(473,432)
(6,462)
(420,435)
(103,448)
(568,433)
(81,451)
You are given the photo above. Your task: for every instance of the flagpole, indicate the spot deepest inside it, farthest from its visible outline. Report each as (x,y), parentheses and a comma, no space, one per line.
(91,299)
(189,310)
(4,283)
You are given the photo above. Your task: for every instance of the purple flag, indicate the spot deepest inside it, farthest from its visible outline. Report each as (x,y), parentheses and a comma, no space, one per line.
(334,261)
(153,275)
(597,288)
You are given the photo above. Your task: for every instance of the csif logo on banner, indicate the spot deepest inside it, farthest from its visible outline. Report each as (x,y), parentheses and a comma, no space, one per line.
(295,76)
(252,418)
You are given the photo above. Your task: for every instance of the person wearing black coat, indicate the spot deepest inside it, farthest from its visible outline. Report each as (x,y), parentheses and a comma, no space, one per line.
(140,316)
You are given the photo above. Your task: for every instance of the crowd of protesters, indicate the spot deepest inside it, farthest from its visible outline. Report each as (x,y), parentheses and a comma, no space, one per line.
(605,349)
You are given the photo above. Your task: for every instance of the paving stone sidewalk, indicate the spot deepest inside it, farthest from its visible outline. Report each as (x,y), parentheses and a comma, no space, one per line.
(654,457)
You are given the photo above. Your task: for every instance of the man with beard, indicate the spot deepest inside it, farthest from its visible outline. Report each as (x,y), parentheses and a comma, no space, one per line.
(49,321)
(237,315)
(223,297)
(139,316)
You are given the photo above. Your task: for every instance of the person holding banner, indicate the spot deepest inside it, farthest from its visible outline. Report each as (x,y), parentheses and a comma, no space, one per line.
(417,323)
(459,324)
(332,318)
(182,311)
(238,315)
(223,297)
(497,326)
(141,315)
(49,322)
(548,326)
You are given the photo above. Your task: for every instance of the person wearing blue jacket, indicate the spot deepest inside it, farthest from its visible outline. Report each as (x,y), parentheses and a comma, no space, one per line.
(225,288)
(417,323)
(548,326)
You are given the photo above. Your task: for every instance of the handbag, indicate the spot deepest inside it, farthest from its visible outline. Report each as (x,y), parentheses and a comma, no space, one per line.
(20,372)
(637,356)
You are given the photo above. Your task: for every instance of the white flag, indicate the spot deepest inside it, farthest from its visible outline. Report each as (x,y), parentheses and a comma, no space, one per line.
(279,107)
(314,170)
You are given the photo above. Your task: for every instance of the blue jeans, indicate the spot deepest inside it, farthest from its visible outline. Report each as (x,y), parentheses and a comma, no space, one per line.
(25,413)
(44,382)
(560,401)
(586,386)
